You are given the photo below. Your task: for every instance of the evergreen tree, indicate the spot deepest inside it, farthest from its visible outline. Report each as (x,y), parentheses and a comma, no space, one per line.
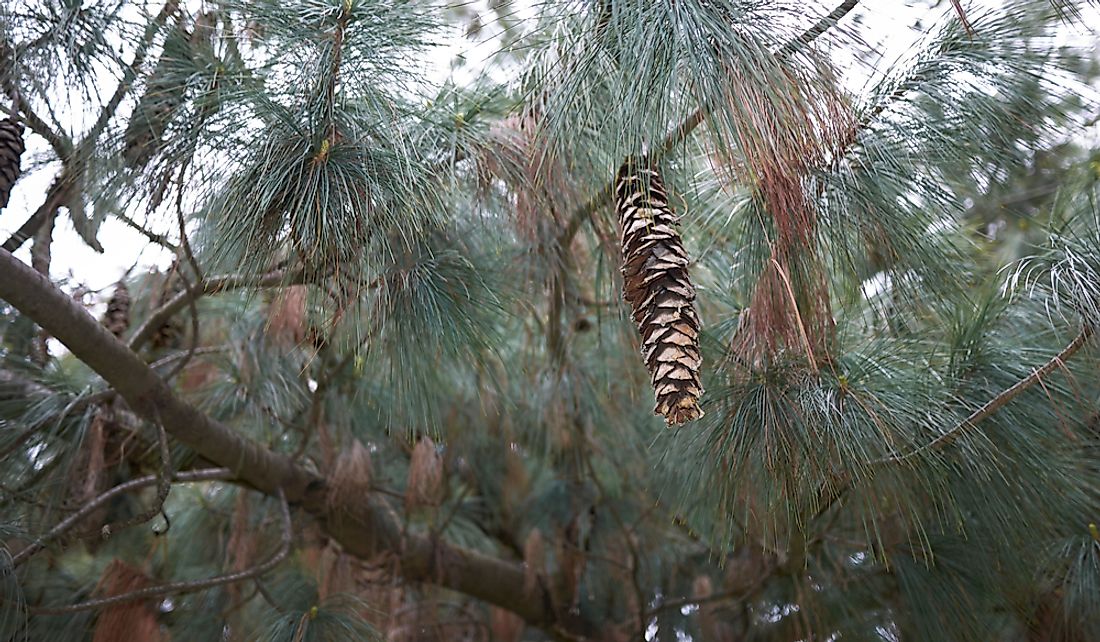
(389,386)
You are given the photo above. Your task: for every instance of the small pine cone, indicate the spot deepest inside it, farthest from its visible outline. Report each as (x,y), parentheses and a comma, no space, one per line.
(351,478)
(11,149)
(656,284)
(117,317)
(425,480)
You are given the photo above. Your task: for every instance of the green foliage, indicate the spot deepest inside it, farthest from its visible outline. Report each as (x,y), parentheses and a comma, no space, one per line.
(452,273)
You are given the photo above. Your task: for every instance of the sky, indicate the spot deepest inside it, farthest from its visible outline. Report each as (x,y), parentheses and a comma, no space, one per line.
(885,24)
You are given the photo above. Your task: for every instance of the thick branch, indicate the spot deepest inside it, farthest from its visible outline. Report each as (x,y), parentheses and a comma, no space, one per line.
(61,316)
(365,525)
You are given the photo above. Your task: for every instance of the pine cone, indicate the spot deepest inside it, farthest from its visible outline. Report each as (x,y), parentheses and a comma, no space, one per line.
(117,317)
(656,284)
(425,479)
(11,148)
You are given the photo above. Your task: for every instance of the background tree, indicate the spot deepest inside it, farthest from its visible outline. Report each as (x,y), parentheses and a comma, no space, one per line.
(387,387)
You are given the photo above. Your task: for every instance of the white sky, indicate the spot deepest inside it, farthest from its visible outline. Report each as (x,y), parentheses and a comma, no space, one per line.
(886,21)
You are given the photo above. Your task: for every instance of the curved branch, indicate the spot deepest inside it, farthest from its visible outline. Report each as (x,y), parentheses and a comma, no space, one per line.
(134,484)
(194,310)
(164,486)
(831,494)
(188,586)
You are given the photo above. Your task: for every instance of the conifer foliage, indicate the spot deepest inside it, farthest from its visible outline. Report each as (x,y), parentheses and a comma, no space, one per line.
(372,376)
(660,293)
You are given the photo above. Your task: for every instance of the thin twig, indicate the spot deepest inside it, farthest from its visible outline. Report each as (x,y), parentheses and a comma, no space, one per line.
(628,534)
(77,404)
(224,283)
(830,495)
(56,196)
(134,484)
(176,356)
(22,110)
(268,597)
(194,309)
(185,244)
(998,402)
(164,486)
(738,594)
(159,239)
(188,586)
(63,147)
(130,73)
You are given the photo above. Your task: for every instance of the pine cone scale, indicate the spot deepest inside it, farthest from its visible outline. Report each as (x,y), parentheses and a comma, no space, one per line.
(660,293)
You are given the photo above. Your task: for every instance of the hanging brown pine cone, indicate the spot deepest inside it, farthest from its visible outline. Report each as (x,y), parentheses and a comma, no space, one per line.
(117,317)
(656,284)
(11,149)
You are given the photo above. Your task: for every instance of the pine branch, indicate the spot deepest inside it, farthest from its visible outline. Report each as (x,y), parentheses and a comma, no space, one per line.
(821,26)
(159,239)
(131,72)
(164,486)
(739,594)
(147,394)
(190,586)
(193,308)
(830,495)
(134,484)
(187,354)
(680,133)
(364,525)
(55,198)
(63,147)
(212,285)
(24,112)
(993,405)
(15,386)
